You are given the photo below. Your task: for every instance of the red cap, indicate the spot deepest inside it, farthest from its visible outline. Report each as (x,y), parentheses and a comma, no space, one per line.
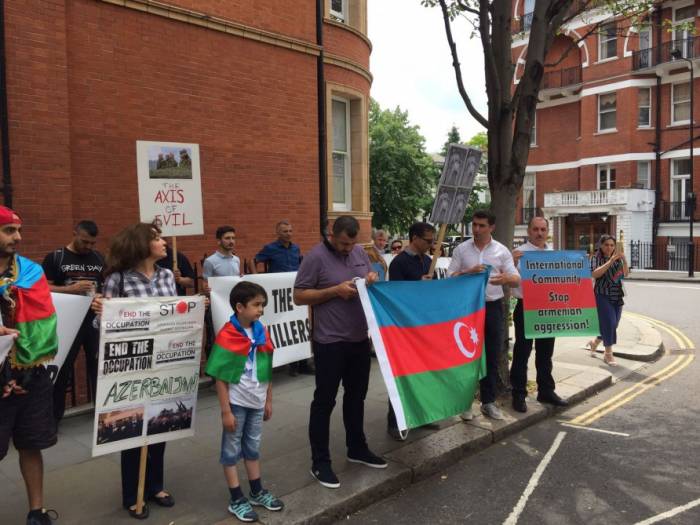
(7,216)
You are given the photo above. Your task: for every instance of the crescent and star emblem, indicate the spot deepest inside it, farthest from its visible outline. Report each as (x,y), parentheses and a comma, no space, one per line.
(473,336)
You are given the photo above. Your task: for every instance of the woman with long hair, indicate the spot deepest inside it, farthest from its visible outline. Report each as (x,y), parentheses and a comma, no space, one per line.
(132,272)
(608,268)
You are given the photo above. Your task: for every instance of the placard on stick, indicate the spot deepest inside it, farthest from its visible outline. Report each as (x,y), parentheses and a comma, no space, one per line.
(456,181)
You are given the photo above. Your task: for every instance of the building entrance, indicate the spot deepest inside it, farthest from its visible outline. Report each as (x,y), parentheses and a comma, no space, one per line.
(584,230)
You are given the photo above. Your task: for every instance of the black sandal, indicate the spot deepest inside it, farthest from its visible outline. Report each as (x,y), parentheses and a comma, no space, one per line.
(136,515)
(163,501)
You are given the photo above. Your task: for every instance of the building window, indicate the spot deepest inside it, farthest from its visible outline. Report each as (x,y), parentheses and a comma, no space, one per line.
(607,111)
(606,177)
(680,107)
(682,35)
(342,189)
(607,41)
(339,10)
(644,174)
(680,186)
(644,104)
(533,130)
(529,197)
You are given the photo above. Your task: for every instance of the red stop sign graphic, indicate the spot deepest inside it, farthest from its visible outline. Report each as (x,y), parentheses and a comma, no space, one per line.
(181,307)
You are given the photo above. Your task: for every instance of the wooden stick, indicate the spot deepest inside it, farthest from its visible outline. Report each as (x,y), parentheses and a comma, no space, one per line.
(438,248)
(174,243)
(142,479)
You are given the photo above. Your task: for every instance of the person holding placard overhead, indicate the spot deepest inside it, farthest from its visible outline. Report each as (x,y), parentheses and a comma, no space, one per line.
(132,272)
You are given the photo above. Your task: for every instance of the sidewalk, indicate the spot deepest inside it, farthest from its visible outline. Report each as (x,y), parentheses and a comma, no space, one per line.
(662,275)
(85,490)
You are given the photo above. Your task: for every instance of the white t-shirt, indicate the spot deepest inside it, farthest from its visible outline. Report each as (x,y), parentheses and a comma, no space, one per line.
(248,392)
(527,247)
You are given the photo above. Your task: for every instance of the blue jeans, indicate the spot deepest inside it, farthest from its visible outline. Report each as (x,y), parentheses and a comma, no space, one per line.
(244,441)
(609,314)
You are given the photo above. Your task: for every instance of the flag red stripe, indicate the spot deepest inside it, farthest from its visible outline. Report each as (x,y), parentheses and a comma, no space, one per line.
(537,296)
(34,303)
(428,348)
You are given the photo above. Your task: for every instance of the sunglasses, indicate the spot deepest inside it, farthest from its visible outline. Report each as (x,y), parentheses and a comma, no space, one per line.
(395,248)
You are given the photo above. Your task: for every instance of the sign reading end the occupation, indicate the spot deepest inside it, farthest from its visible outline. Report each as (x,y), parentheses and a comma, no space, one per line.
(127,356)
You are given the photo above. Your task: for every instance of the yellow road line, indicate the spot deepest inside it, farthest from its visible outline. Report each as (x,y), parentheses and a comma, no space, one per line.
(636,390)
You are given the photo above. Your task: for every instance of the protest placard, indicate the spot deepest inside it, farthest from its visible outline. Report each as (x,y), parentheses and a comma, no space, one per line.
(70,313)
(170,189)
(148,372)
(458,173)
(558,298)
(288,324)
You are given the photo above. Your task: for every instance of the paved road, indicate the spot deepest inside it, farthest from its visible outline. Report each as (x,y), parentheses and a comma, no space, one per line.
(645,463)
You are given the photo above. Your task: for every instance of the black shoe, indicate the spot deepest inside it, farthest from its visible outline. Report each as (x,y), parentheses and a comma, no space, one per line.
(306,368)
(323,473)
(553,399)
(519,404)
(368,458)
(41,517)
(163,501)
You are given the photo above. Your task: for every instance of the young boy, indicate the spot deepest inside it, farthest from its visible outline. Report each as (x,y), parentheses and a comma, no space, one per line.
(241,362)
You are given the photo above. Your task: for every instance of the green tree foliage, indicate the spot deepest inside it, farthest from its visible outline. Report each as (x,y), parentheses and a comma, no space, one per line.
(453,137)
(401,172)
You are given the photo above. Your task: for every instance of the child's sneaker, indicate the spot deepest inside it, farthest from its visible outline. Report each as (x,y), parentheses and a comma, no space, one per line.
(242,510)
(267,500)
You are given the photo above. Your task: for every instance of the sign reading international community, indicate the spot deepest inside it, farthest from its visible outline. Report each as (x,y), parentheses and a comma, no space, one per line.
(148,373)
(558,298)
(429,338)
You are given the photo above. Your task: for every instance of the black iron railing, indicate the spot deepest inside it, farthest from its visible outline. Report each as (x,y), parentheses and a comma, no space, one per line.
(661,54)
(676,211)
(661,256)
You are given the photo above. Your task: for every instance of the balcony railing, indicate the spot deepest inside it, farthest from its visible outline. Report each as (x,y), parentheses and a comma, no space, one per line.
(525,22)
(661,54)
(586,198)
(562,78)
(675,211)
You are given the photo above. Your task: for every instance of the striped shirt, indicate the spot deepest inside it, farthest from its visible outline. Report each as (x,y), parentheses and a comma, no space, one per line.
(136,284)
(610,283)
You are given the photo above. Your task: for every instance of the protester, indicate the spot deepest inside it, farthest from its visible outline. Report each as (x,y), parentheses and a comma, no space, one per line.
(77,269)
(26,404)
(340,344)
(223,262)
(608,268)
(281,255)
(537,231)
(396,246)
(241,362)
(132,272)
(184,275)
(375,252)
(473,256)
(412,264)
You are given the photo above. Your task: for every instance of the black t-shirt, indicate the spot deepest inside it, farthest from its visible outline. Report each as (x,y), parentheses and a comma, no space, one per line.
(407,267)
(64,267)
(183,264)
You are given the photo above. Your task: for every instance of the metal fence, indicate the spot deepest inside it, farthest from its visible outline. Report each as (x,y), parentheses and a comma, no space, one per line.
(661,256)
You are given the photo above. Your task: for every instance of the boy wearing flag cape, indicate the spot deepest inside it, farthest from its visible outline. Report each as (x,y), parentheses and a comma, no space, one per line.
(241,362)
(26,391)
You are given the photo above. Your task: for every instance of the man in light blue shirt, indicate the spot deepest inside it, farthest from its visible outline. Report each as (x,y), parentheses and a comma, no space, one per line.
(223,263)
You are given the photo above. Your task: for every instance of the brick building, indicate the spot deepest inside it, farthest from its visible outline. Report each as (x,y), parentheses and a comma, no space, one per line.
(610,145)
(86,79)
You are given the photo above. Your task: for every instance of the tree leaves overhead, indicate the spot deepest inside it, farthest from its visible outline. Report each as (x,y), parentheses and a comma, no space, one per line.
(401,172)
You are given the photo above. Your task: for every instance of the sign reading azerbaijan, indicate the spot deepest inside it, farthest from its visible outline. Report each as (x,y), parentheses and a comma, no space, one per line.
(558,298)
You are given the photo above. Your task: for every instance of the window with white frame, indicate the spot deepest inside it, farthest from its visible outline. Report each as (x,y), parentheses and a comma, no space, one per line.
(342,199)
(644,105)
(680,186)
(533,130)
(528,196)
(606,177)
(680,103)
(607,111)
(607,41)
(682,35)
(644,174)
(339,10)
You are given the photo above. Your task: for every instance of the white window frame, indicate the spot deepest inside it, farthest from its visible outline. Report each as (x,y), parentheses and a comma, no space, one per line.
(646,184)
(614,128)
(603,39)
(530,187)
(640,107)
(673,104)
(347,205)
(533,132)
(339,16)
(608,168)
(684,35)
(685,187)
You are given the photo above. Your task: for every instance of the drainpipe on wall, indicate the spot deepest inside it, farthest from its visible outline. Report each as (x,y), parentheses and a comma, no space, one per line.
(657,142)
(4,119)
(321,95)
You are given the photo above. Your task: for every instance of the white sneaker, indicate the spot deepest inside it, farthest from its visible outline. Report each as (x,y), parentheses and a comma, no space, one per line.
(491,410)
(467,415)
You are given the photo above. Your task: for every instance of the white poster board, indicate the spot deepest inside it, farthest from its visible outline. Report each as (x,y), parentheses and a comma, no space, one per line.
(70,312)
(148,373)
(170,188)
(288,324)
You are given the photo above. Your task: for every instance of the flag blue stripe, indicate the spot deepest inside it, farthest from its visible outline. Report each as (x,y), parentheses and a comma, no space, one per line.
(420,303)
(533,257)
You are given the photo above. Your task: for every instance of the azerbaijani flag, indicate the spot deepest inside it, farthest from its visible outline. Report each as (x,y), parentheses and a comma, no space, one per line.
(429,337)
(35,316)
(558,298)
(231,349)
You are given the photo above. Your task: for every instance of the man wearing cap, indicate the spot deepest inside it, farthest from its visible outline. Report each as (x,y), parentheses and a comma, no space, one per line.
(26,399)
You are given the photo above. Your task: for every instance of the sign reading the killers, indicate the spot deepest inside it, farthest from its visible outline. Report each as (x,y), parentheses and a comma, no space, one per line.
(148,372)
(456,181)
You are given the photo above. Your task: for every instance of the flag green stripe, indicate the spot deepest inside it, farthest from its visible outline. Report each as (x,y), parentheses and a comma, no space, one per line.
(263,362)
(561,325)
(37,341)
(225,365)
(432,396)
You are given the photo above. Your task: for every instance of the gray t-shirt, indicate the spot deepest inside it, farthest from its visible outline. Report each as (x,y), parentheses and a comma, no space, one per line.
(219,265)
(338,319)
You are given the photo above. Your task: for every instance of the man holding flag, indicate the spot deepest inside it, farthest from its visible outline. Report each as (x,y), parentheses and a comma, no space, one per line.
(537,231)
(26,400)
(473,256)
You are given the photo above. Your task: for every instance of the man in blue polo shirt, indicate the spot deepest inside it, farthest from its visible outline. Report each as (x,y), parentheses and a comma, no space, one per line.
(281,255)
